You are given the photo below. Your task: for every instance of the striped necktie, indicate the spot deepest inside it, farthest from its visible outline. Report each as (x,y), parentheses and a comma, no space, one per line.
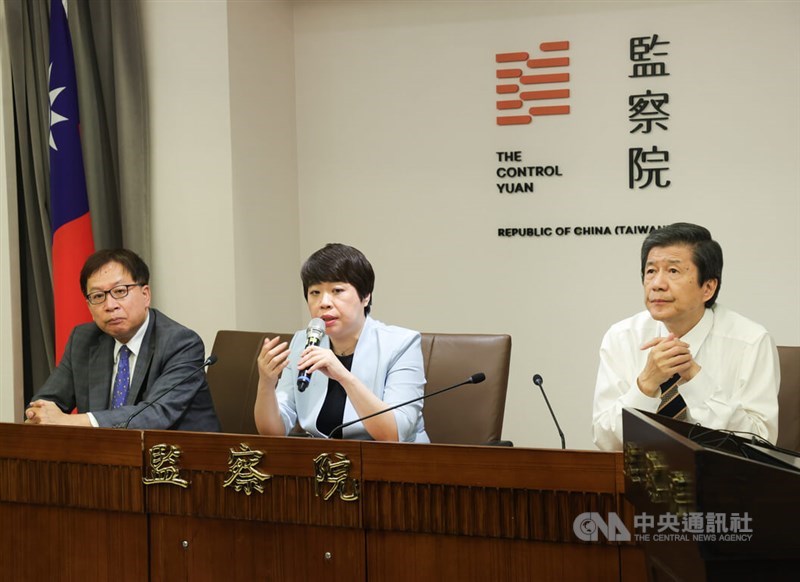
(672,403)
(123,380)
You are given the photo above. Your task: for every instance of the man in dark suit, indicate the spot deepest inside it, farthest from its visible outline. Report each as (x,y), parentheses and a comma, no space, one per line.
(132,354)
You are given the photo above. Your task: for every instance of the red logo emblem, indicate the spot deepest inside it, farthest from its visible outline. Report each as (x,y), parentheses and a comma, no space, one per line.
(514,85)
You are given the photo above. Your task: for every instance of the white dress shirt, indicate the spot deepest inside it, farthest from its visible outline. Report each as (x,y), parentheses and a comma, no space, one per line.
(736,388)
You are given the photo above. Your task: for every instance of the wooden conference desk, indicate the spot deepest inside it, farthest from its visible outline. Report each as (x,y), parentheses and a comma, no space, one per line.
(73,505)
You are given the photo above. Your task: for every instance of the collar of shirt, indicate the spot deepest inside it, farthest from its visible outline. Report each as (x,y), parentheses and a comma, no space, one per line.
(698,334)
(135,344)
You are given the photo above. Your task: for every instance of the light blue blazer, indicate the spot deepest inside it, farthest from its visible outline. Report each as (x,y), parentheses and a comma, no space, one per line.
(388,360)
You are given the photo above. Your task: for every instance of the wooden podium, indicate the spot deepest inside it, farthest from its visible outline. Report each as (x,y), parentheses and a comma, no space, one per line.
(165,505)
(739,503)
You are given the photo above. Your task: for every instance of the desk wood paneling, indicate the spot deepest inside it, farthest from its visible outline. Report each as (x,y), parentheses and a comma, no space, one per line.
(71,504)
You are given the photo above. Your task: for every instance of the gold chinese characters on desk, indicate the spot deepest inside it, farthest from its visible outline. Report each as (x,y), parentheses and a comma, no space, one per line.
(243,474)
(330,469)
(163,466)
(334,470)
(648,471)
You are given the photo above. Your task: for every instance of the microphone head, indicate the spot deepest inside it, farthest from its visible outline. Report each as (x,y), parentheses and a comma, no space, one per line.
(477,378)
(212,359)
(315,329)
(537,379)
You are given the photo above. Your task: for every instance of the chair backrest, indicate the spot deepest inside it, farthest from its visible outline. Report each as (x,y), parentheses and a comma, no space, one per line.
(471,414)
(233,380)
(789,398)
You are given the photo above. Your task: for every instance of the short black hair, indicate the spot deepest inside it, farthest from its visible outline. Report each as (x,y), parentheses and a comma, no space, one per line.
(129,260)
(706,252)
(338,262)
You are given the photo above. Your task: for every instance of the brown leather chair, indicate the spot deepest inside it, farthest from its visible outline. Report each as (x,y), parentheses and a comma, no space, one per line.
(789,398)
(233,380)
(470,414)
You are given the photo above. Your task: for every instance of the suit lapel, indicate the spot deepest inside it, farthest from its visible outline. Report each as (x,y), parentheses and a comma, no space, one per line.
(100,372)
(364,364)
(143,360)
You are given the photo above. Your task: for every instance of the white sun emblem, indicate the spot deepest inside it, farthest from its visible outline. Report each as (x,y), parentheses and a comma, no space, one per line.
(54,117)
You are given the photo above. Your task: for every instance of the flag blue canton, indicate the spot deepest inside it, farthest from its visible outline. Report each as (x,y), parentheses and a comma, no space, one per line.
(68,196)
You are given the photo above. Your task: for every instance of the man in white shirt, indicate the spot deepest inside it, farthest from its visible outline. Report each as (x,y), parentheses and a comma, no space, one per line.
(685,356)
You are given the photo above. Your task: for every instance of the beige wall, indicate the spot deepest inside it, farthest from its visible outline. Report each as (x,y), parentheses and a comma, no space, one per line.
(189,96)
(264,151)
(224,166)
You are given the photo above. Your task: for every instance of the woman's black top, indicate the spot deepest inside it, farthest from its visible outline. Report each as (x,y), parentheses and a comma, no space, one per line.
(332,411)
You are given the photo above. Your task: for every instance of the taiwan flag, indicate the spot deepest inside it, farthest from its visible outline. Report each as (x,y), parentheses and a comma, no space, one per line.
(69,204)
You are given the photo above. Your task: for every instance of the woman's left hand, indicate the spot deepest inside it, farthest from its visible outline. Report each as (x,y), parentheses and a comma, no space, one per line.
(315,359)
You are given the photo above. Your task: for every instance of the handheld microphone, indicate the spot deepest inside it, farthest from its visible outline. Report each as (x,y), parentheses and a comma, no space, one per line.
(474,379)
(210,361)
(314,334)
(537,379)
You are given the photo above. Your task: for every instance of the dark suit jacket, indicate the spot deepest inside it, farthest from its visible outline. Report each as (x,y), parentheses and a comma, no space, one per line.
(168,354)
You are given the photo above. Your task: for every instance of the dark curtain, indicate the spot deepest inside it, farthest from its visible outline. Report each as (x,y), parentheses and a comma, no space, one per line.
(112,97)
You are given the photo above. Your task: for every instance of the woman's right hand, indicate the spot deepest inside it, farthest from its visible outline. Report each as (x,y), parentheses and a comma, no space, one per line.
(274,357)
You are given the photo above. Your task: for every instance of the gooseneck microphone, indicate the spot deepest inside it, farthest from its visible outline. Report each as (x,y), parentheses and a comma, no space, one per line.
(314,334)
(210,361)
(474,379)
(537,379)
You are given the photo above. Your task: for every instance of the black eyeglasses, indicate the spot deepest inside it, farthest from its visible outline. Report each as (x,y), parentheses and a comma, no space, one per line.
(118,292)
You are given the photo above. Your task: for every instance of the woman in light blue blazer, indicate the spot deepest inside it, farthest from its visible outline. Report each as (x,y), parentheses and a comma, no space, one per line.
(361,366)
